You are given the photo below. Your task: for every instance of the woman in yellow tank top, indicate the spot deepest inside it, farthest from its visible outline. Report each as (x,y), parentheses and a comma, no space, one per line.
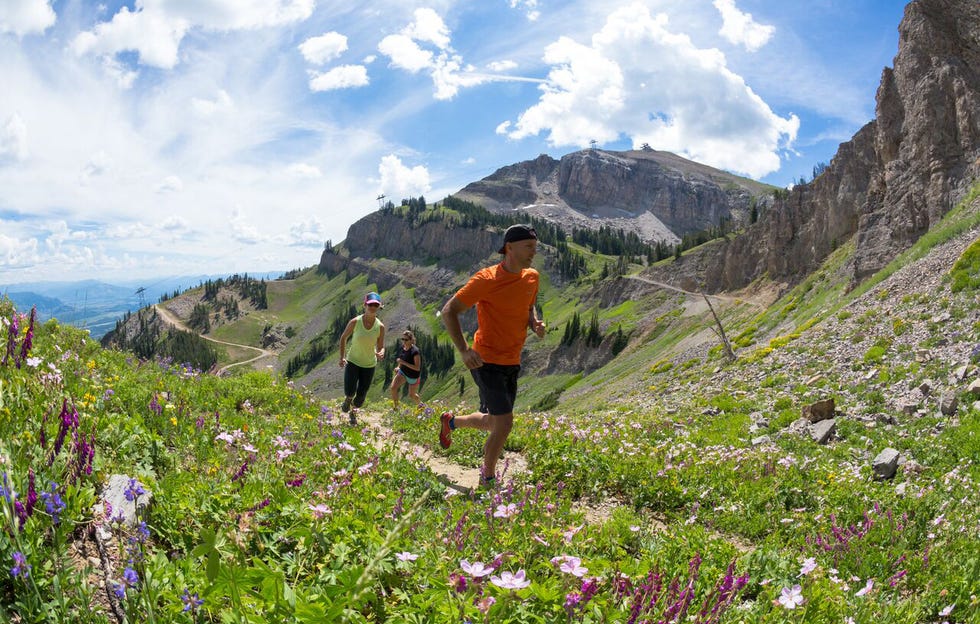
(367,337)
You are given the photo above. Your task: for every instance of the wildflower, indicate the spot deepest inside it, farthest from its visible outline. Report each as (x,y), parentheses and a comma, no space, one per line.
(406,556)
(53,503)
(296,482)
(319,510)
(458,582)
(21,567)
(476,569)
(809,565)
(134,490)
(570,533)
(505,511)
(485,604)
(191,601)
(864,590)
(129,579)
(508,580)
(240,472)
(791,598)
(25,347)
(12,330)
(570,565)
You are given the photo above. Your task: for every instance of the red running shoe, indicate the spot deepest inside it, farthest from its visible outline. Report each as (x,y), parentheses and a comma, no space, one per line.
(445,431)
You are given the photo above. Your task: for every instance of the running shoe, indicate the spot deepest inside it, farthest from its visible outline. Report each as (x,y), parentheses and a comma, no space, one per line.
(445,431)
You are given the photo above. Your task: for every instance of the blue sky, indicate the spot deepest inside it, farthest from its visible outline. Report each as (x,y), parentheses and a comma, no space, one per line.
(166,137)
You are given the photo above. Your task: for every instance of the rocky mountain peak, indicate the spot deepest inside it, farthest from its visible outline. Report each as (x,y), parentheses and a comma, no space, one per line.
(892,181)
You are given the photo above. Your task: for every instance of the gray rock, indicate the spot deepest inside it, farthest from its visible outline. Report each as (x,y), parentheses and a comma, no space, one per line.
(824,431)
(127,510)
(885,464)
(948,404)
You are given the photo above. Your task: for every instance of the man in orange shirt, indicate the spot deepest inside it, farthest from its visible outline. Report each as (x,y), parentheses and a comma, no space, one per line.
(504,296)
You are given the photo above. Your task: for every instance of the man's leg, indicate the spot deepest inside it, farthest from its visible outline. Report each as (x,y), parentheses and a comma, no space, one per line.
(501,424)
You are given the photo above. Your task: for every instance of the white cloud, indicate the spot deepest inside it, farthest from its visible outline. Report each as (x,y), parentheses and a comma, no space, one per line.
(445,66)
(13,139)
(341,77)
(244,231)
(24,17)
(222,103)
(170,184)
(17,253)
(304,170)
(400,181)
(674,96)
(405,53)
(501,66)
(98,164)
(323,49)
(308,233)
(429,27)
(156,28)
(740,29)
(530,8)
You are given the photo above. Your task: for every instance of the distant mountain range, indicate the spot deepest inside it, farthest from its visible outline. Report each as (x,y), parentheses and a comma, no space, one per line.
(95,305)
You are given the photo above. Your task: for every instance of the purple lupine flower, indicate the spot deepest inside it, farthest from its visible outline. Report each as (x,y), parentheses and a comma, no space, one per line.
(31,492)
(12,330)
(21,567)
(134,490)
(129,579)
(155,406)
(265,503)
(191,601)
(42,437)
(240,472)
(25,347)
(53,503)
(298,481)
(20,512)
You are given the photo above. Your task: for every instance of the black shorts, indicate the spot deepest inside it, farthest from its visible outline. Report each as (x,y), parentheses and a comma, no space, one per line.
(498,387)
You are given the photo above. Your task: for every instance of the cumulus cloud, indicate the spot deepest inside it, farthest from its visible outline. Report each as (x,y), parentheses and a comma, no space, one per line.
(400,181)
(425,45)
(155,29)
(341,77)
(740,29)
(244,231)
(13,139)
(308,233)
(323,49)
(25,17)
(530,8)
(405,53)
(676,97)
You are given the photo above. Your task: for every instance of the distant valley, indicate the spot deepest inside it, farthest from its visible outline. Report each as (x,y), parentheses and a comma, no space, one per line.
(94,305)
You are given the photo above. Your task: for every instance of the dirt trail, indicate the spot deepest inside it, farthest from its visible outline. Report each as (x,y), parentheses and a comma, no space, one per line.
(171,319)
(700,296)
(461,478)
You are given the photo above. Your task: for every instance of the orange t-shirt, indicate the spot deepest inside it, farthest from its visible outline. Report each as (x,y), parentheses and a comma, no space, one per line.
(503,303)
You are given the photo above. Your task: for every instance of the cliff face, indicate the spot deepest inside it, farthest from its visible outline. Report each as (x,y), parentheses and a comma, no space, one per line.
(893,180)
(621,189)
(385,236)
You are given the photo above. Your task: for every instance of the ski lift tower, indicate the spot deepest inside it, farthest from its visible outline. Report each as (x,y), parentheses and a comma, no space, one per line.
(139,293)
(380,198)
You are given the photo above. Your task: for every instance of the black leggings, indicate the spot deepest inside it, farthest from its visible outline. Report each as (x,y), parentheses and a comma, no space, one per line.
(357,381)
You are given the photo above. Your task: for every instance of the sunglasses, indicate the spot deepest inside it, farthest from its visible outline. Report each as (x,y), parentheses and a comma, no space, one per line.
(373,305)
(406,340)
